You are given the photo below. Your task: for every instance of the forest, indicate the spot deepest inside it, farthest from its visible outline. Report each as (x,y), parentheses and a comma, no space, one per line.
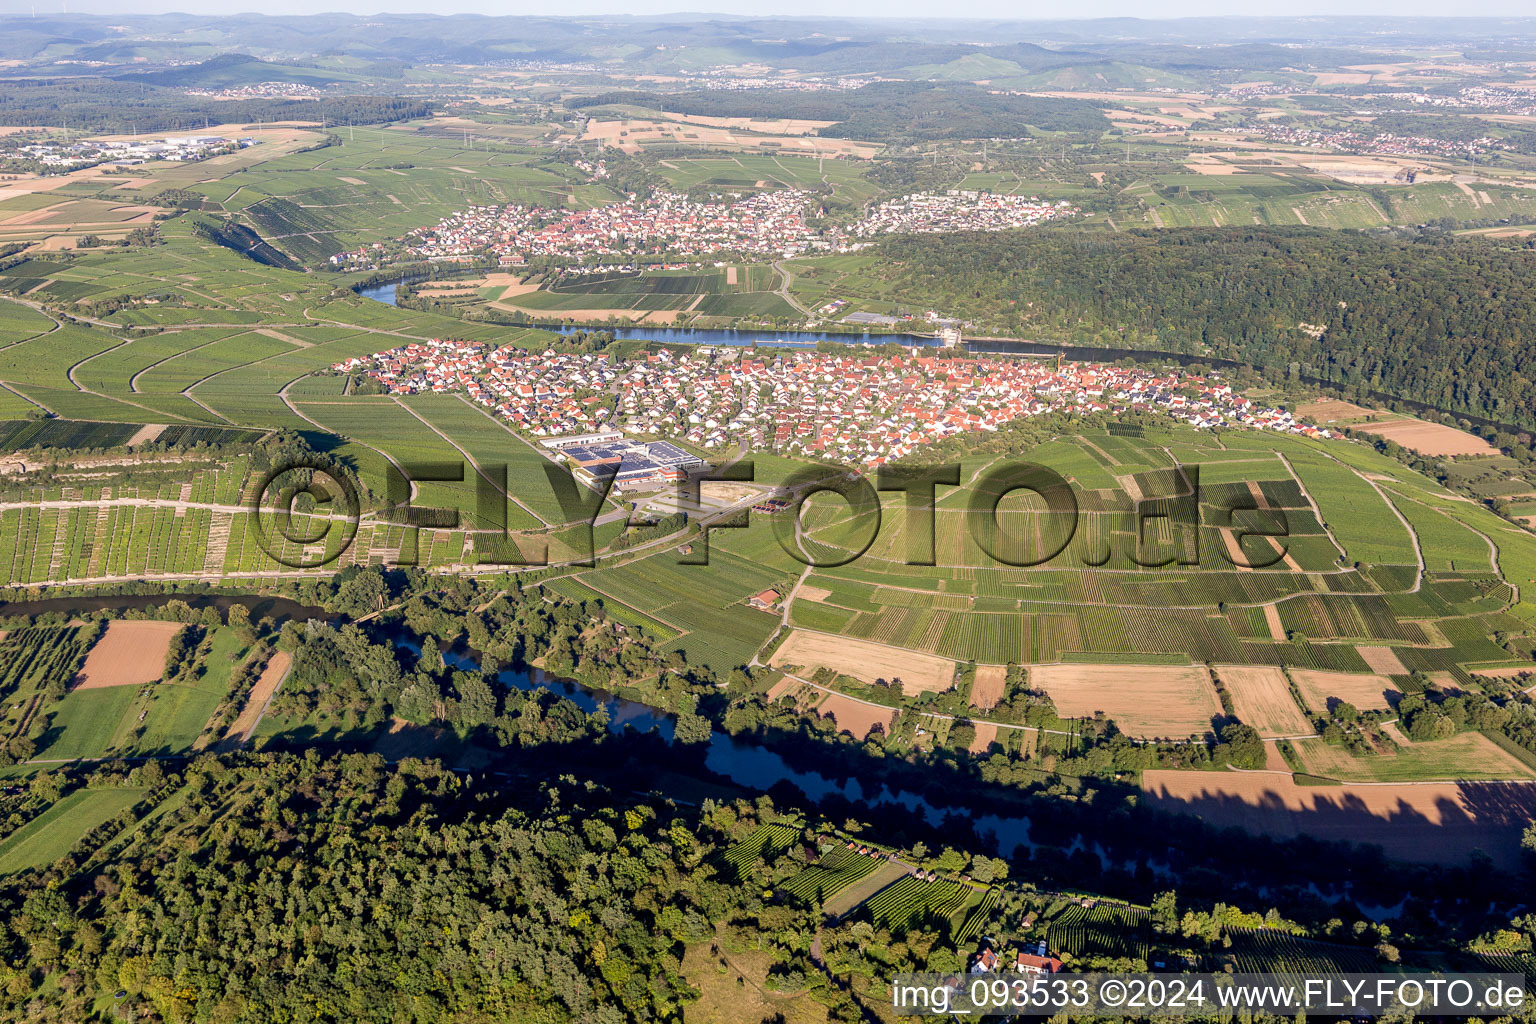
(881,110)
(313,880)
(1433,318)
(104,105)
(289,887)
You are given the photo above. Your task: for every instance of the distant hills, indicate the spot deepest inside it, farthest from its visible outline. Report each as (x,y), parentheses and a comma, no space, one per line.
(231,70)
(307,48)
(882,111)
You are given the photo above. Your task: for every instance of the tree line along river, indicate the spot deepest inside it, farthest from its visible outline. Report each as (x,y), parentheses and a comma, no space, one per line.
(385,293)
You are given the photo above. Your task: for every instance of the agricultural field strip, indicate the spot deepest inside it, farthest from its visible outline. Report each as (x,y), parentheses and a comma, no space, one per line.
(615,502)
(185,390)
(1493,547)
(503,491)
(30,401)
(27,305)
(582,579)
(1413,536)
(930,714)
(1066,603)
(69,373)
(156,503)
(293,408)
(1317,511)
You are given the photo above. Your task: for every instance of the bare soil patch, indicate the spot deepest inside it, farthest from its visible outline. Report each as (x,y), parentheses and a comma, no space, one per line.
(811,593)
(632,134)
(286,339)
(1382,659)
(1240,559)
(1145,700)
(128,654)
(1261,695)
(1366,691)
(1214,169)
(854,717)
(986,735)
(991,682)
(1272,620)
(866,661)
(578,315)
(1333,410)
(1511,672)
(1431,438)
(1273,760)
(1435,822)
(147,433)
(266,685)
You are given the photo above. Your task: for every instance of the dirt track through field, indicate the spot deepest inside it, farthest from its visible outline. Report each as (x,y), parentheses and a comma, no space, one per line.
(129,653)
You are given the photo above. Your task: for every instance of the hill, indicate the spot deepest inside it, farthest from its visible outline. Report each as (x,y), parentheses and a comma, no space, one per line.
(881,110)
(236,69)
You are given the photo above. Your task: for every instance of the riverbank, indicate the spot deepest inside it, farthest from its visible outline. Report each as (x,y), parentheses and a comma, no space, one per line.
(768,338)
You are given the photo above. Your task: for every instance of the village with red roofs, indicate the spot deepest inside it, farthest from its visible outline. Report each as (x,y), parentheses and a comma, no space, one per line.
(862,410)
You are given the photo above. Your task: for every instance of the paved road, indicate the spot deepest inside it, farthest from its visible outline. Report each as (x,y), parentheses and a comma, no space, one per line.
(784,292)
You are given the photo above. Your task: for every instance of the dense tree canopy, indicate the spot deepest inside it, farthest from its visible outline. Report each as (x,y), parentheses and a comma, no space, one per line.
(310,888)
(1441,320)
(882,110)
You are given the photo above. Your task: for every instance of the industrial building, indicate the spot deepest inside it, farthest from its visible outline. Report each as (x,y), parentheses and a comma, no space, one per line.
(634,464)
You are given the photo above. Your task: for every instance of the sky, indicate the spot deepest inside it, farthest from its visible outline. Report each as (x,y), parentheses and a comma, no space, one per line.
(1012,9)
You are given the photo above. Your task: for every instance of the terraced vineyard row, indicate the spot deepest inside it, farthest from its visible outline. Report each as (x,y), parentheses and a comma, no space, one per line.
(910,900)
(1511,963)
(1107,931)
(765,837)
(1263,950)
(836,871)
(976,919)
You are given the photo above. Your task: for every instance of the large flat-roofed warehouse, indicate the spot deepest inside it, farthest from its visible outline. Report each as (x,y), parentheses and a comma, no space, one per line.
(633,463)
(560,444)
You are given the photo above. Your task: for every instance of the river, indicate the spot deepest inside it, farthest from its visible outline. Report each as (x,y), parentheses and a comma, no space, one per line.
(747,764)
(385,293)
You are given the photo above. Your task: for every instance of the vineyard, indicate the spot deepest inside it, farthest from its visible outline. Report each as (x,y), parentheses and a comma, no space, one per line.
(31,659)
(836,871)
(764,839)
(976,920)
(910,901)
(1101,931)
(1510,963)
(1263,950)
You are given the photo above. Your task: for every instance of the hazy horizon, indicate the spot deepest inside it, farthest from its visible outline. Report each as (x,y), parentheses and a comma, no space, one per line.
(966,9)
